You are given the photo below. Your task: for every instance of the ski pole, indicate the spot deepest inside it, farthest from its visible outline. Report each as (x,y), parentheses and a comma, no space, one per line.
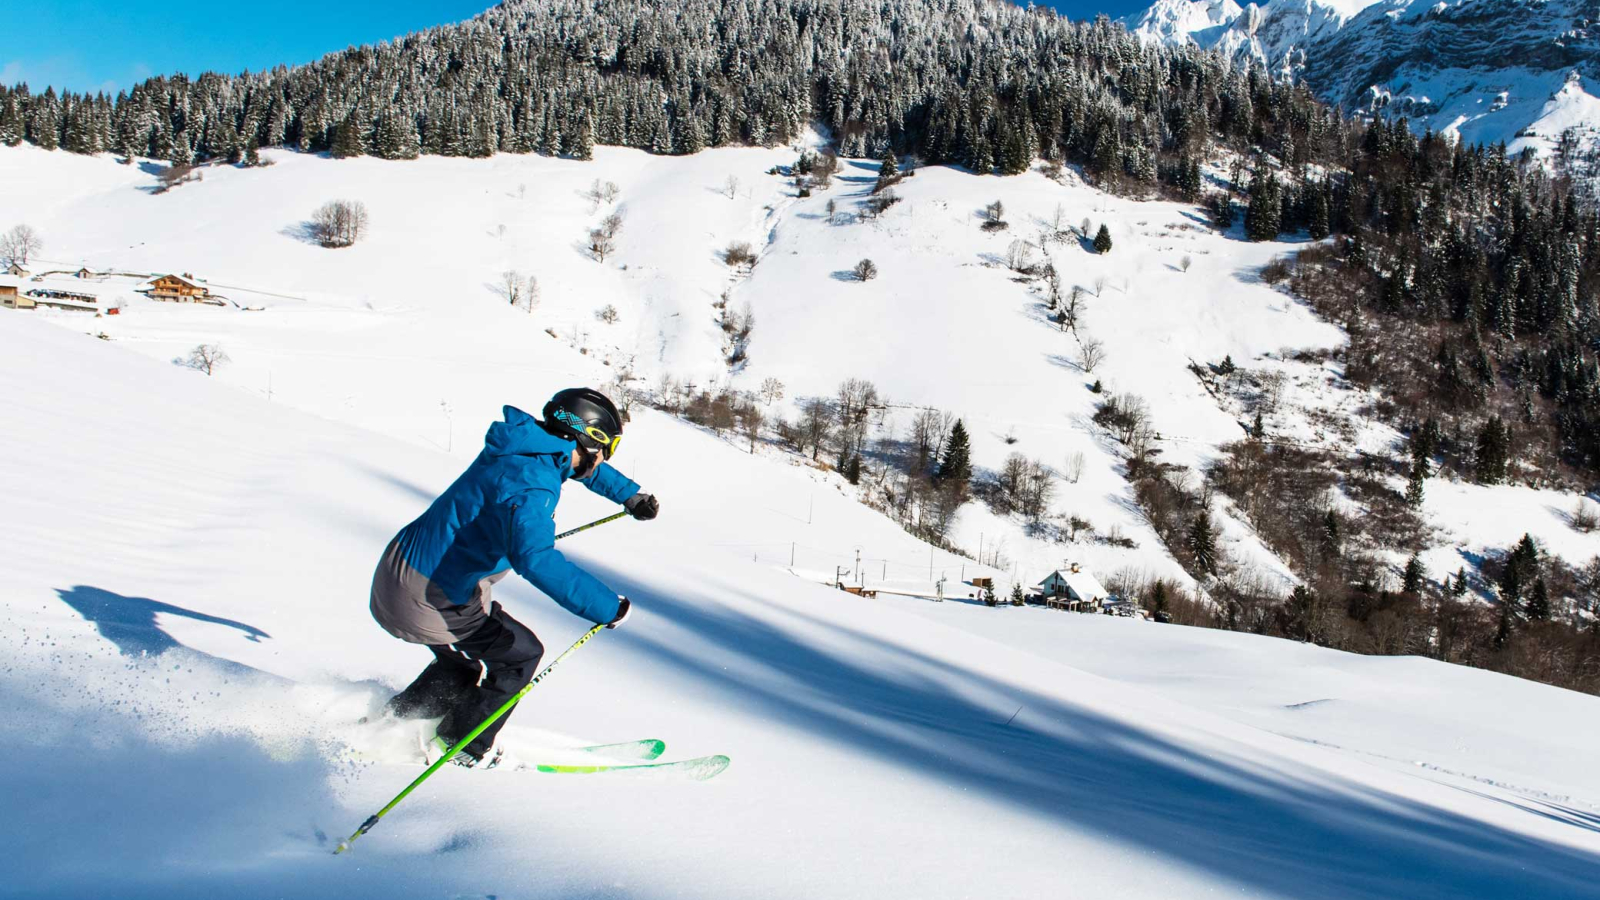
(495,717)
(596,523)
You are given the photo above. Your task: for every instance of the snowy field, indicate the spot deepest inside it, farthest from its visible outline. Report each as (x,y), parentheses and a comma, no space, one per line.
(186,645)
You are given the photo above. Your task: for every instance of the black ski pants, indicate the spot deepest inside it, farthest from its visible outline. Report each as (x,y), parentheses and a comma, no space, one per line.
(468,680)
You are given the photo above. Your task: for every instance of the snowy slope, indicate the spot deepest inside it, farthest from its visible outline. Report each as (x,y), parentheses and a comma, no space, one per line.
(1484,70)
(186,641)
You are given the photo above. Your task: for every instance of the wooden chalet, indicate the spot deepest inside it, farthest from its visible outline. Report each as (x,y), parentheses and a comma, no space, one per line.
(83,273)
(179,289)
(1072,588)
(16,271)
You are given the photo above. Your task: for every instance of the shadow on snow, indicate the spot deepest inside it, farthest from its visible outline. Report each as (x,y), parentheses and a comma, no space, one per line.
(1264,829)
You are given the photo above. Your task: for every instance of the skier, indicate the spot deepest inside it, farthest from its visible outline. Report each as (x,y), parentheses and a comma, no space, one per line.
(432,585)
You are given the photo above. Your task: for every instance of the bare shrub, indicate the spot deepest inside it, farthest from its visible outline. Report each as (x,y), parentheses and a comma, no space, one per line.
(1124,415)
(879,203)
(1091,353)
(603,240)
(1074,468)
(750,421)
(607,314)
(530,294)
(511,286)
(339,223)
(1185,263)
(739,253)
(994,217)
(176,174)
(1277,270)
(730,188)
(865,270)
(205,358)
(1019,257)
(771,390)
(1585,516)
(1072,307)
(602,192)
(1025,487)
(1099,285)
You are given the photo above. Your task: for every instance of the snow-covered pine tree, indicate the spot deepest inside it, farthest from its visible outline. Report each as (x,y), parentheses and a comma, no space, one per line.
(1102,239)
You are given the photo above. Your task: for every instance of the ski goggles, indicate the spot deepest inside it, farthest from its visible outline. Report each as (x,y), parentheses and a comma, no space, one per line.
(607,444)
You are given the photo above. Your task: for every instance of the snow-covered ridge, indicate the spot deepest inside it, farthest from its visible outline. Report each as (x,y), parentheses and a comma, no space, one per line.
(1485,70)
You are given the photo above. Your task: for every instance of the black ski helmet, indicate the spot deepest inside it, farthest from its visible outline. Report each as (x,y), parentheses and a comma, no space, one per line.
(586,416)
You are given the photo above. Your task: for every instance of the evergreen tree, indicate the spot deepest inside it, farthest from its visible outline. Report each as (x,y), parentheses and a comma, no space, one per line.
(1158,597)
(1539,602)
(1203,543)
(956,466)
(1318,216)
(1257,430)
(1414,486)
(1330,540)
(1459,588)
(1521,570)
(889,167)
(1493,452)
(252,152)
(1411,582)
(1102,240)
(348,140)
(852,469)
(1302,606)
(1264,215)
(396,137)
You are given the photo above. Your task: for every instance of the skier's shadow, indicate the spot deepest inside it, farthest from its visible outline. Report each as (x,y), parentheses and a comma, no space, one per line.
(130,622)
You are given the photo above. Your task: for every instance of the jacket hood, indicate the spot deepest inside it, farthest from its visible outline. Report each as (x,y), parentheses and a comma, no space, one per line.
(521,434)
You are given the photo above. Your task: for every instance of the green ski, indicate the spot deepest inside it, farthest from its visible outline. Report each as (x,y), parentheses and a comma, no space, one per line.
(698,769)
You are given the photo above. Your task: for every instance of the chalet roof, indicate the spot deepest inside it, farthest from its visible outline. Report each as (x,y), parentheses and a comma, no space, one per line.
(191,282)
(1081,582)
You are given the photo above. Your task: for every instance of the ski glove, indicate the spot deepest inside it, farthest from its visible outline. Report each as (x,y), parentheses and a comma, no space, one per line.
(623,608)
(642,506)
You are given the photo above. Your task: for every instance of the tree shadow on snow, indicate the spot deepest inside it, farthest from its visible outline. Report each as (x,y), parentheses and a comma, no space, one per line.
(130,622)
(304,232)
(1264,829)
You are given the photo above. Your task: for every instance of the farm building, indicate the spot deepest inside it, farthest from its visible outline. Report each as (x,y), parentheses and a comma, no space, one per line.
(16,271)
(69,300)
(83,273)
(1072,588)
(11,299)
(179,289)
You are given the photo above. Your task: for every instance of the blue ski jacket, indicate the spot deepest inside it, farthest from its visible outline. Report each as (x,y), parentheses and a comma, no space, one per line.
(500,514)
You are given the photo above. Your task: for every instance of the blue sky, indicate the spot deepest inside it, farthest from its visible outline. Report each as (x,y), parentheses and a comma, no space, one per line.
(109,45)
